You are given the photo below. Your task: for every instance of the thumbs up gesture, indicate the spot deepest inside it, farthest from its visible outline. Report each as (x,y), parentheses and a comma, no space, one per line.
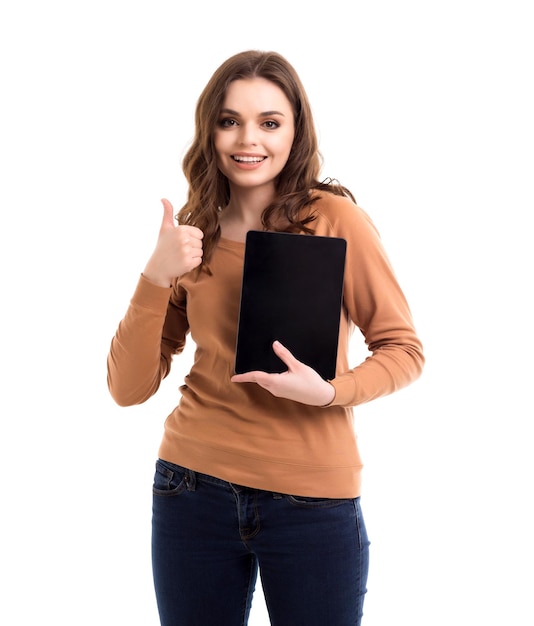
(178,250)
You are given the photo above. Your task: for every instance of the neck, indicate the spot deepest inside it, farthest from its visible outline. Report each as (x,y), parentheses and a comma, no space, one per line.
(244,212)
(247,205)
(250,201)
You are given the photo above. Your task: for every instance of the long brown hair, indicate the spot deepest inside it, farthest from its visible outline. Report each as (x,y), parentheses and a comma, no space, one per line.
(209,188)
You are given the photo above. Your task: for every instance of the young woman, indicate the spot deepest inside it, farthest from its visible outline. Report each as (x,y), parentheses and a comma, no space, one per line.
(258,471)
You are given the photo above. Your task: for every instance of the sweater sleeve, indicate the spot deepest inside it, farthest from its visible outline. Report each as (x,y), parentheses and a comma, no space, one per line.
(152,331)
(378,307)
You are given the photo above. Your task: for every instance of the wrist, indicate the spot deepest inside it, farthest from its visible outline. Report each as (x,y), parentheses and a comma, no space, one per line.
(329,395)
(154,274)
(157,279)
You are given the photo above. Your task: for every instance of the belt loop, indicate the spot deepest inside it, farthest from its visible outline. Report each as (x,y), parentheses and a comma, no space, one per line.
(190,480)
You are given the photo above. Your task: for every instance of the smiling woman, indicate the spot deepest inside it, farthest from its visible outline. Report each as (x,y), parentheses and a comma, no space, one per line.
(258,471)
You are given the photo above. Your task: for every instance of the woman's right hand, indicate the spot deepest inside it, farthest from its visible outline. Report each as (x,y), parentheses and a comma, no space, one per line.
(178,250)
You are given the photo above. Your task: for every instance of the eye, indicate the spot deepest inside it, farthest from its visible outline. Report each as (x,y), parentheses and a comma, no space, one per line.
(227,122)
(271,124)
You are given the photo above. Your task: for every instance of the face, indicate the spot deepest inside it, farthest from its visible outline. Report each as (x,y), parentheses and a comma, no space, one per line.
(254,133)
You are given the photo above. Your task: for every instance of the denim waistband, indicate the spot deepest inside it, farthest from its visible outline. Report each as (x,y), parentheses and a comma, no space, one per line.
(192,476)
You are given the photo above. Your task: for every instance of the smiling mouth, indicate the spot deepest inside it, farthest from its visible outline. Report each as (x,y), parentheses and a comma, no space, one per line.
(248,159)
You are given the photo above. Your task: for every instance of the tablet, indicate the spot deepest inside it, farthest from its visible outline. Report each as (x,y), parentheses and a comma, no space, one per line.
(292,291)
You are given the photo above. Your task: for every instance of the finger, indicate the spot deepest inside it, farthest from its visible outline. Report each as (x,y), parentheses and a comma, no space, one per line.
(195,232)
(190,235)
(284,354)
(247,377)
(168,214)
(258,377)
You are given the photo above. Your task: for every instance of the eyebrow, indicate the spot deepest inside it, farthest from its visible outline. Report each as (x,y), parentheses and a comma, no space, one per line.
(263,114)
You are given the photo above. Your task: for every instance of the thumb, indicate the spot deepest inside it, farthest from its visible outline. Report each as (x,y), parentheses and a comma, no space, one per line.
(284,354)
(168,215)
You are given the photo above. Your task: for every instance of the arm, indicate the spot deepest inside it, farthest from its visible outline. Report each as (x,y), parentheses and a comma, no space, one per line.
(378,307)
(139,359)
(155,324)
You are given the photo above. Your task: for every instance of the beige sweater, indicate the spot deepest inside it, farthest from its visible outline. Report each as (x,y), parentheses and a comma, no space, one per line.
(240,432)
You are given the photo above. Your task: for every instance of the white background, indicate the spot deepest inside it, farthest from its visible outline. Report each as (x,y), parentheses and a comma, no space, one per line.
(424,109)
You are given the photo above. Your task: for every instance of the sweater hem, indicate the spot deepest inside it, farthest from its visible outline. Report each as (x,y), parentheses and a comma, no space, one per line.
(318,481)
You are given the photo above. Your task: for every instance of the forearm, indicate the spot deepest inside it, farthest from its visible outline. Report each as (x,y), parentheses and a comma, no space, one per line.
(389,369)
(135,362)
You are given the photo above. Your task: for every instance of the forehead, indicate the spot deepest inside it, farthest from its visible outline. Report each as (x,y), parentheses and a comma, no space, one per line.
(255,94)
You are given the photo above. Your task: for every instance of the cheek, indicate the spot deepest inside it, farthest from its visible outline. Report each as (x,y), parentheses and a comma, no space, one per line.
(221,150)
(218,144)
(285,145)
(288,141)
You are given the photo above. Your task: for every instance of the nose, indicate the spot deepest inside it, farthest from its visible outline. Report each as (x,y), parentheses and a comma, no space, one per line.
(248,135)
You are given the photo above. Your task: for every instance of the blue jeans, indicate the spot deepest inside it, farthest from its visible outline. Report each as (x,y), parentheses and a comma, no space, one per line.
(210,537)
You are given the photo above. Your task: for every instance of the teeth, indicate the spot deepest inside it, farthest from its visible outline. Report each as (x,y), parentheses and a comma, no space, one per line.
(246,159)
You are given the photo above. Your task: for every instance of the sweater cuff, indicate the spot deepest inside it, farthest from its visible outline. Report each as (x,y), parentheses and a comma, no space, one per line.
(345,387)
(151,296)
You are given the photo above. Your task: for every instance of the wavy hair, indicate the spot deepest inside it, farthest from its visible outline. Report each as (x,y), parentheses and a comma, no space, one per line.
(209,188)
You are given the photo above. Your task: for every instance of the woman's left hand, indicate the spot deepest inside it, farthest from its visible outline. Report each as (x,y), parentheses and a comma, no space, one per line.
(300,383)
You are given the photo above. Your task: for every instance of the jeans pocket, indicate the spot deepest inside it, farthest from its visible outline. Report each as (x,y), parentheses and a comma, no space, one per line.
(169,479)
(316,503)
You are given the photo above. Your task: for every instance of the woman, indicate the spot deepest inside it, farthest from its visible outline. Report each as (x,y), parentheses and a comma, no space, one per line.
(258,471)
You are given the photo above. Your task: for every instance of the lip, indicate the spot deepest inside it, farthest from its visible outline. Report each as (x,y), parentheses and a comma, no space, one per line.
(248,155)
(248,164)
